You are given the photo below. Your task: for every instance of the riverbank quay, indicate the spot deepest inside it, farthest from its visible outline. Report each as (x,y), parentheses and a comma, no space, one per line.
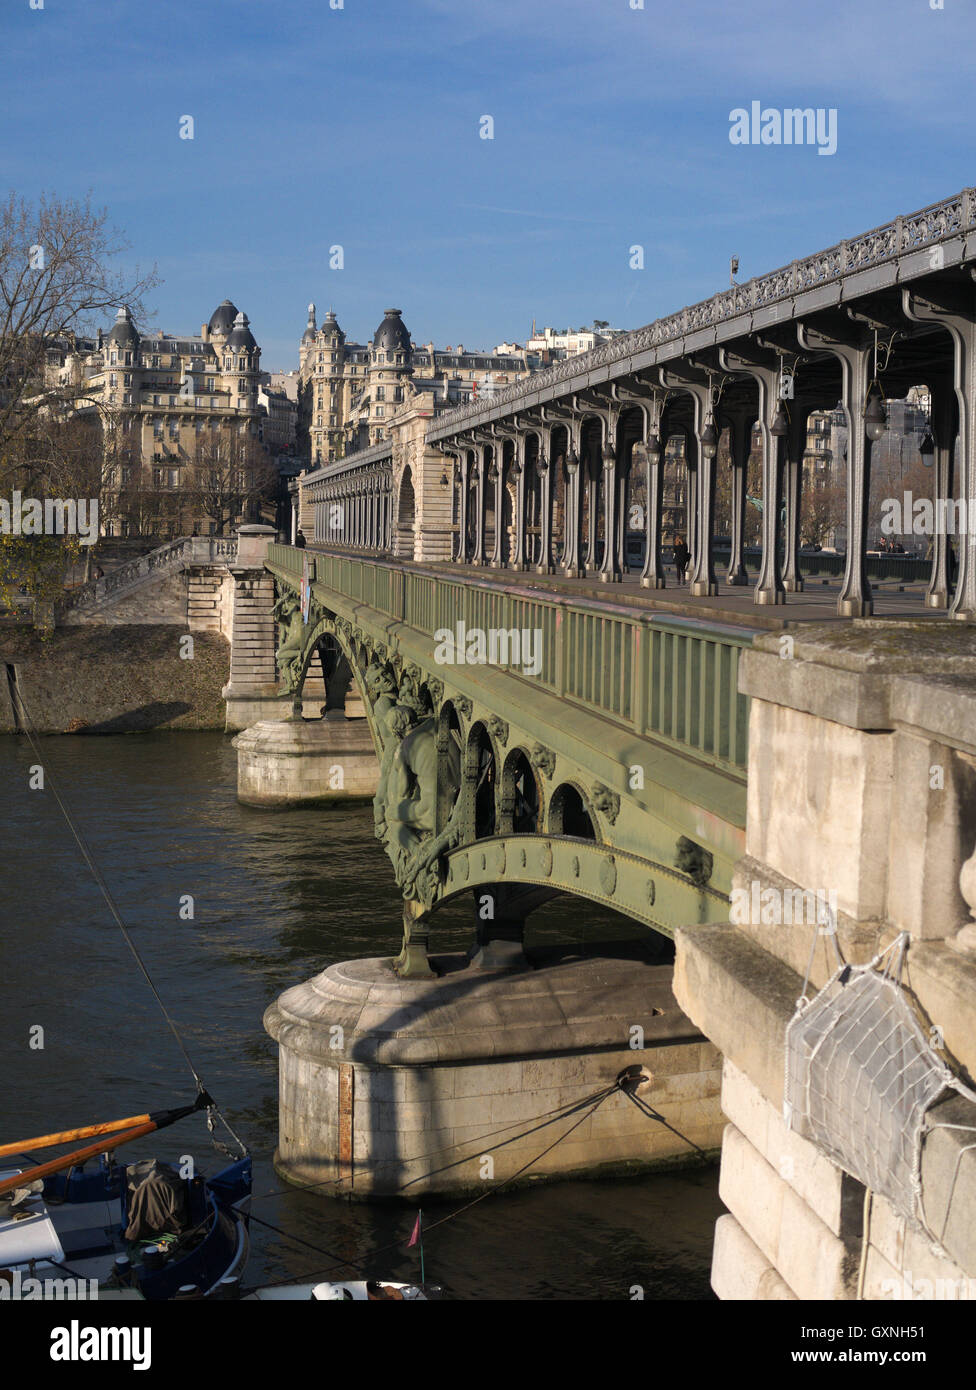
(111,679)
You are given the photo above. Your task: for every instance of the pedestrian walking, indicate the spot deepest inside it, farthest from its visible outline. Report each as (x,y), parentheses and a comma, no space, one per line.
(681,557)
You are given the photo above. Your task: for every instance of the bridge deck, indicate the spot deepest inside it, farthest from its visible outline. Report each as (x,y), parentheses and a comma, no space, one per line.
(733,604)
(817,603)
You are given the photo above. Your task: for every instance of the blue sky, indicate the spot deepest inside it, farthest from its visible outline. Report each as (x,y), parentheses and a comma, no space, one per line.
(359,127)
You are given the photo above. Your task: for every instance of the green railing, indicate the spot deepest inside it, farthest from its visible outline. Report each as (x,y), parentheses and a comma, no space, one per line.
(908,569)
(671,679)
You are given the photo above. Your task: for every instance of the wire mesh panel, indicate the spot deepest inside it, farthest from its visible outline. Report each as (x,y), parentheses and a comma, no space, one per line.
(860,1075)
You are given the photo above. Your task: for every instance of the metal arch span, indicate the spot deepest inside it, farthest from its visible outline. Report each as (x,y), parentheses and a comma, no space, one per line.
(651,893)
(490,778)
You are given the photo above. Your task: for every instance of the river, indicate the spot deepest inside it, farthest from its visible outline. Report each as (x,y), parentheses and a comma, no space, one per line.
(277,896)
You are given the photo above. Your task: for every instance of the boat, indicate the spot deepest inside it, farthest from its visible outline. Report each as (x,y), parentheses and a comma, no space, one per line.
(348,1290)
(85,1226)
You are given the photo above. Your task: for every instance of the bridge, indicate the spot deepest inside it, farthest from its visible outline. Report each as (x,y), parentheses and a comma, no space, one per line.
(559,457)
(546,722)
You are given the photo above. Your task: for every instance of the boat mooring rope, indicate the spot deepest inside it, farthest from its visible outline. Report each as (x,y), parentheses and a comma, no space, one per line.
(213,1113)
(590,1104)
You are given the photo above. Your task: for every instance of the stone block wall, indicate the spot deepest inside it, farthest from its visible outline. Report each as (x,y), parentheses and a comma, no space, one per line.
(862,795)
(284,764)
(387,1081)
(209,599)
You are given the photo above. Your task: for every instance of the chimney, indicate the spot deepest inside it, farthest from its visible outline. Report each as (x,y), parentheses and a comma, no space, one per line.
(205,333)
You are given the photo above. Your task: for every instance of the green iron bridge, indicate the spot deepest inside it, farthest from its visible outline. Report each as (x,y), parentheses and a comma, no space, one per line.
(616,769)
(615,772)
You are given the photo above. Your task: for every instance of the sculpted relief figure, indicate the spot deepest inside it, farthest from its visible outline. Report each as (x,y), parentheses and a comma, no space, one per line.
(291,632)
(405,802)
(381,693)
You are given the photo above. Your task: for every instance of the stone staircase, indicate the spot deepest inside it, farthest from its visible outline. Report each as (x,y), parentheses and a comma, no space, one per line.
(179,582)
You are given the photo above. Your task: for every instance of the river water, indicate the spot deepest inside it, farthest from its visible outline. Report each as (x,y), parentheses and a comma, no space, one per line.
(277,896)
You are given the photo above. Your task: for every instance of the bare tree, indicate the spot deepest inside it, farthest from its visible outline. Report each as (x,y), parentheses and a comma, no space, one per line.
(822,510)
(56,283)
(232,476)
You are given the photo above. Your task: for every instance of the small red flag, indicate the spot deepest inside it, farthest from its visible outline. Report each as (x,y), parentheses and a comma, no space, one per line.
(416,1232)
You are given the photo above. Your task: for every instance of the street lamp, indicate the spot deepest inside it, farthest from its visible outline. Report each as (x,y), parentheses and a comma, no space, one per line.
(875,417)
(709,439)
(781,422)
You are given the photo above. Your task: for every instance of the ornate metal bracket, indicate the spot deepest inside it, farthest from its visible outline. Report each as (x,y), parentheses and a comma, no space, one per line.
(497,728)
(694,860)
(544,759)
(605,801)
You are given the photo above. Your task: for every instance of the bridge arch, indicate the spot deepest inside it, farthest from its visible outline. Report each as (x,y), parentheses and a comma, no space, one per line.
(406,515)
(570,813)
(479,780)
(450,745)
(520,810)
(591,483)
(559,446)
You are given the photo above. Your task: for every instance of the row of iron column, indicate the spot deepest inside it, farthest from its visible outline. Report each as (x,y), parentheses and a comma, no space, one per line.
(362,518)
(783,428)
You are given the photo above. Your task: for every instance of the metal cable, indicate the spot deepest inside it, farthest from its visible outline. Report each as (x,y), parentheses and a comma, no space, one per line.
(30,731)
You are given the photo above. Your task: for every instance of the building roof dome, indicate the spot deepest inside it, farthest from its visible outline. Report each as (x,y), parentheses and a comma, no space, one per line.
(123,329)
(240,335)
(309,335)
(392,335)
(223,317)
(330,325)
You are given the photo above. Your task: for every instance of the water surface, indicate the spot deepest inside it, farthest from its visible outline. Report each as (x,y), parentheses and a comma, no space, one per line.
(277,896)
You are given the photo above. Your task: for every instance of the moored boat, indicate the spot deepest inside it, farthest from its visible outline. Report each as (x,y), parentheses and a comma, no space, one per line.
(86,1226)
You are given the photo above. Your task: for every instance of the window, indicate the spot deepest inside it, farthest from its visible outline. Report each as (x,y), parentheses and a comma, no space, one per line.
(157,477)
(381,393)
(127,379)
(155,361)
(379,410)
(114,358)
(158,430)
(113,380)
(174,477)
(128,359)
(172,400)
(197,426)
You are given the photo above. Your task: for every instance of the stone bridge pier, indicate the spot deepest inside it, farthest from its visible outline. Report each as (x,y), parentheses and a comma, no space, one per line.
(861,794)
(293,749)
